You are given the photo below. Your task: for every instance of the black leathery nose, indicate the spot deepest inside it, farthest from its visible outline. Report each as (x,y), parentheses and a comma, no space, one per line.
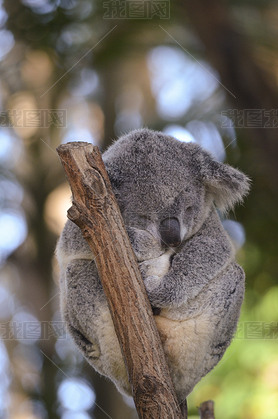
(169,231)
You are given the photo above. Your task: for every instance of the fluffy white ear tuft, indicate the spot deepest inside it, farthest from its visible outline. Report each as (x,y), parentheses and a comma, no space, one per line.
(227,185)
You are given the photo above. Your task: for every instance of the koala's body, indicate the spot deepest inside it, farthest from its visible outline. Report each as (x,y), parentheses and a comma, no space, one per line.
(167,192)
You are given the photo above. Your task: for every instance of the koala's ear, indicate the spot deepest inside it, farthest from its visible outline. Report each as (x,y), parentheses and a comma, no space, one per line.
(226,184)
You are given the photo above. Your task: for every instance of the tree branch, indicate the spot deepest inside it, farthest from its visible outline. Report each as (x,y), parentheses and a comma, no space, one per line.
(206,410)
(95,211)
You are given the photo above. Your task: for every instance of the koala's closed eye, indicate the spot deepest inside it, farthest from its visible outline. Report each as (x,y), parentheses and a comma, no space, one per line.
(169,230)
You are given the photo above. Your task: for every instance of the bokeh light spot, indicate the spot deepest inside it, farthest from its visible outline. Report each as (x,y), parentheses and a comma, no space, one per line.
(75,395)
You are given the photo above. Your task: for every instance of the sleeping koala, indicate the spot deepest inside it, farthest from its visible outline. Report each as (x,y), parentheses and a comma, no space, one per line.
(168,192)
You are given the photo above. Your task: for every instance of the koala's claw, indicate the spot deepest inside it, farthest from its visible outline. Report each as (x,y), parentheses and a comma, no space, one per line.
(92,350)
(89,349)
(156,311)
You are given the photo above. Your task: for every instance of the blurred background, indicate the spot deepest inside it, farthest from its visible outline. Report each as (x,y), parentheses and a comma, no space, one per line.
(204,71)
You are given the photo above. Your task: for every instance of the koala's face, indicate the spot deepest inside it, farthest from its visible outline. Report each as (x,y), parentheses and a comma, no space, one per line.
(166,188)
(170,212)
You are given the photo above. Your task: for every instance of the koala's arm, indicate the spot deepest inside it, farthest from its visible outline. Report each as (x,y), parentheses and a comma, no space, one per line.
(81,297)
(85,309)
(80,288)
(201,259)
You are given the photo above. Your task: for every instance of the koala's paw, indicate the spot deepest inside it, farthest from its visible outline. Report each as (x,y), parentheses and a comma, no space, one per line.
(155,268)
(92,350)
(152,283)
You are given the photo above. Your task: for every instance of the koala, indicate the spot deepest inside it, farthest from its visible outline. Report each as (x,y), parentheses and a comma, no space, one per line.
(169,194)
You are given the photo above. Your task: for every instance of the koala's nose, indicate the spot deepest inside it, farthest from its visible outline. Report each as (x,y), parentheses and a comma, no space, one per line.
(169,230)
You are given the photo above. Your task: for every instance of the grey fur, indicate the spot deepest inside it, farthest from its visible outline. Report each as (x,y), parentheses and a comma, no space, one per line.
(167,189)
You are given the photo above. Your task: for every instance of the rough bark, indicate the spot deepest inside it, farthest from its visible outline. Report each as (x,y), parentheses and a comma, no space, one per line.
(96,212)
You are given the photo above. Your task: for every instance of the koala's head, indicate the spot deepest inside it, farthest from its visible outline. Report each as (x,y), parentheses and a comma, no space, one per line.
(167,187)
